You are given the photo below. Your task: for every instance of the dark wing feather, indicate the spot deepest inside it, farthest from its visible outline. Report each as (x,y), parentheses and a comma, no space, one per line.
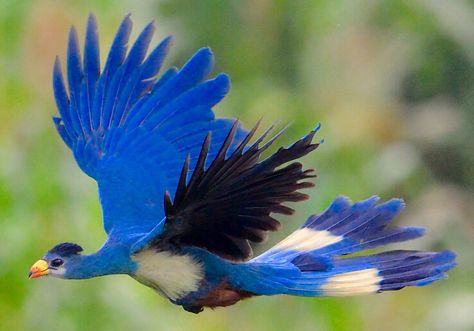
(223,207)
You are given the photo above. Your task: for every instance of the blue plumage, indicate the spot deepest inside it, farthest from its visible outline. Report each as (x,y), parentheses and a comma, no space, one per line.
(128,97)
(183,193)
(353,228)
(362,225)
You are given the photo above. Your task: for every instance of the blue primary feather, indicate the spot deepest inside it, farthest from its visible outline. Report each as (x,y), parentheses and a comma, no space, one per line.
(61,128)
(75,75)
(167,75)
(206,95)
(132,75)
(115,58)
(62,101)
(92,71)
(131,130)
(192,73)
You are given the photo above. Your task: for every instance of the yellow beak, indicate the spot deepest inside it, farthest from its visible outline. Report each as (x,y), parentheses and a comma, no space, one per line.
(40,268)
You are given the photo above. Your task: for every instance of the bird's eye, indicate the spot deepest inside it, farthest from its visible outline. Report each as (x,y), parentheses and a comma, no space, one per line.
(56,263)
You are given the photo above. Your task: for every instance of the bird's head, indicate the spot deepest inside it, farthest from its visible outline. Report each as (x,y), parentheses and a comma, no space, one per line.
(57,261)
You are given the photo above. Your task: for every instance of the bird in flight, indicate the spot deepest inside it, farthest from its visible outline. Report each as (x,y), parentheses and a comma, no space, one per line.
(184,193)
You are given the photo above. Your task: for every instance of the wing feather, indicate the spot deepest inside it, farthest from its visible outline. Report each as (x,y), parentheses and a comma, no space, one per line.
(91,69)
(130,129)
(227,204)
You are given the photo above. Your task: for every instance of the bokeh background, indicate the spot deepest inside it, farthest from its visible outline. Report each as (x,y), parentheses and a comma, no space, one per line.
(392,83)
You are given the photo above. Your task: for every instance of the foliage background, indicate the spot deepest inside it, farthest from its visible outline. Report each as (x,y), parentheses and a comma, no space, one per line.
(391,81)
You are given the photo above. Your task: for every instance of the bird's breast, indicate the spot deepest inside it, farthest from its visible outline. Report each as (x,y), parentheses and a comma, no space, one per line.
(172,275)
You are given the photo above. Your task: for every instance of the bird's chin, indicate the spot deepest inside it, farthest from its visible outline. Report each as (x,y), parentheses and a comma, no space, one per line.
(57,274)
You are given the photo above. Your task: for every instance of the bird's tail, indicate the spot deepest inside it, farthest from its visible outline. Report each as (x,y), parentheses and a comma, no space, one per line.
(311,262)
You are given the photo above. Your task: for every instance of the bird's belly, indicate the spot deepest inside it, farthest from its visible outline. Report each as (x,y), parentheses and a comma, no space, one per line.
(223,295)
(173,276)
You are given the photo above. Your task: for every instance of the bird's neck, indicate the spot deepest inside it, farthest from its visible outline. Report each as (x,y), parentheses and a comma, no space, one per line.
(105,262)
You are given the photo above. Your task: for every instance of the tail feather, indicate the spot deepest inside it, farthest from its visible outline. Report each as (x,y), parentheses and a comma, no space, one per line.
(345,228)
(387,271)
(311,261)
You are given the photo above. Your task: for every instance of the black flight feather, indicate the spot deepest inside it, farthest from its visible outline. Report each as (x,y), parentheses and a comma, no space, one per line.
(228,204)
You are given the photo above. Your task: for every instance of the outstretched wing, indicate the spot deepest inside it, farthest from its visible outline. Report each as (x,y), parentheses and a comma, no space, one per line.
(223,207)
(131,131)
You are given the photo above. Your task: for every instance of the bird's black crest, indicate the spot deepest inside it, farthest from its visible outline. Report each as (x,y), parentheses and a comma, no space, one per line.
(66,249)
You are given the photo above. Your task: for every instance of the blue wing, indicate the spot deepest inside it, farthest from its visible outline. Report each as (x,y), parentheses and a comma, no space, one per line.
(132,131)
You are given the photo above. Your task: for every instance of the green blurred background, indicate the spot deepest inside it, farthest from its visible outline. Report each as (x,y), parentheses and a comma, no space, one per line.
(392,83)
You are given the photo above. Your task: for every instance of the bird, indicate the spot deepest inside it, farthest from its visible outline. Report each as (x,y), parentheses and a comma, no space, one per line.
(186,195)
